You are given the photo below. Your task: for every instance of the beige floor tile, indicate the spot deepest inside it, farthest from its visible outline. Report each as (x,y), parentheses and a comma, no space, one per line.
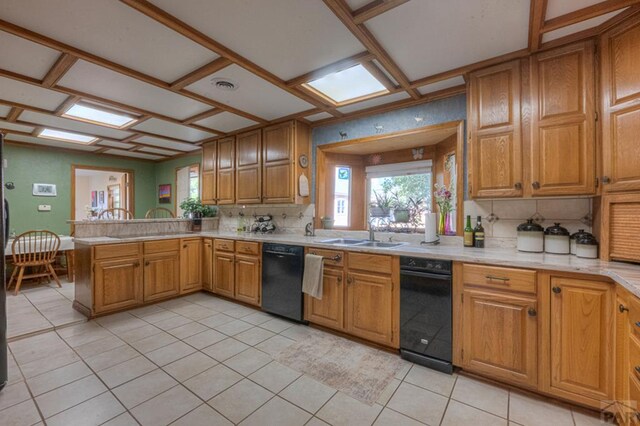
(187,330)
(419,404)
(174,303)
(153,342)
(432,380)
(124,419)
(389,417)
(128,370)
(388,392)
(248,361)
(589,418)
(234,327)
(239,312)
(213,381)
(67,396)
(205,338)
(76,330)
(298,332)
(166,407)
(170,353)
(277,325)
(38,367)
(316,422)
(484,396)
(172,322)
(138,333)
(254,336)
(400,375)
(225,349)
(58,377)
(460,414)
(146,310)
(37,347)
(189,366)
(279,412)
(257,318)
(144,388)
(342,410)
(99,346)
(194,312)
(159,316)
(202,416)
(275,376)
(240,400)
(95,411)
(118,323)
(274,345)
(110,358)
(14,394)
(534,411)
(216,320)
(21,414)
(308,393)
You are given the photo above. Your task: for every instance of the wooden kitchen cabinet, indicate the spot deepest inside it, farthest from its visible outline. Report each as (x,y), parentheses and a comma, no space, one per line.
(563,134)
(247,279)
(207,264)
(161,275)
(248,179)
(369,307)
(328,311)
(117,284)
(495,140)
(620,89)
(226,163)
(190,265)
(223,272)
(209,173)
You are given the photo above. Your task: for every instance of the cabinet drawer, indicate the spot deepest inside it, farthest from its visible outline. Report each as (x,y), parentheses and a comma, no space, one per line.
(224,245)
(245,247)
(370,262)
(521,280)
(111,251)
(161,246)
(331,257)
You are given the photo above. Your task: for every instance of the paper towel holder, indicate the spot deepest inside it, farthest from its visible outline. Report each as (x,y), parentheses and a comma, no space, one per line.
(431,243)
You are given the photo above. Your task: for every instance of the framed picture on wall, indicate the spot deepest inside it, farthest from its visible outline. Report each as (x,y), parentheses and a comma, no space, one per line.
(101,198)
(94,198)
(164,193)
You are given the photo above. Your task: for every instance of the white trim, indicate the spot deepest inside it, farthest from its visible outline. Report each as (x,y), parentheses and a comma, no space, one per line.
(399,169)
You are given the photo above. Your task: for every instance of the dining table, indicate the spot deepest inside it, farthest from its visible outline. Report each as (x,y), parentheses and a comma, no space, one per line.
(66,247)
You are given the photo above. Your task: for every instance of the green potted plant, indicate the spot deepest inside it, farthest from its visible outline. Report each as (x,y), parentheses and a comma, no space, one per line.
(382,206)
(195,210)
(401,211)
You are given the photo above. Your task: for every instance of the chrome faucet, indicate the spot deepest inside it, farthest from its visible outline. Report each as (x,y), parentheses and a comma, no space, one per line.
(309,229)
(372,235)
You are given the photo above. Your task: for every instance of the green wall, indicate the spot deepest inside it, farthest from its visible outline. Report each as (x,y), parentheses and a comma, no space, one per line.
(165,172)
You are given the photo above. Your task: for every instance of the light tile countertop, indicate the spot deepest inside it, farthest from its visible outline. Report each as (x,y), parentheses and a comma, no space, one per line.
(626,275)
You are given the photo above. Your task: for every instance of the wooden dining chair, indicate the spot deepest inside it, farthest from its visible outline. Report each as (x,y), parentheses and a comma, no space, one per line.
(36,250)
(159,213)
(116,213)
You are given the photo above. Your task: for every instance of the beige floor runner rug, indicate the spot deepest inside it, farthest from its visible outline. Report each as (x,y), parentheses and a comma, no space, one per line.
(357,370)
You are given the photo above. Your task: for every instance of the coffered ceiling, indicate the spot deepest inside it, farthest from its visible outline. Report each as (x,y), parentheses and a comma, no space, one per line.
(169,64)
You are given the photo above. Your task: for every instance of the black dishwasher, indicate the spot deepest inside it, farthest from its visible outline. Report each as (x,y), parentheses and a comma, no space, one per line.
(425,312)
(282,269)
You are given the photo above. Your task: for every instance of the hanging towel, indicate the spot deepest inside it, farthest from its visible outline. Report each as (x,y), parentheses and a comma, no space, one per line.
(312,280)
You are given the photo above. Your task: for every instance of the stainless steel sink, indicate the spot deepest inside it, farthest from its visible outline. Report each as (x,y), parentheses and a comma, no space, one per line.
(344,241)
(380,244)
(361,243)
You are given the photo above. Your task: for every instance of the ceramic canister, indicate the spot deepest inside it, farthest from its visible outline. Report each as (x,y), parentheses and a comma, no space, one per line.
(556,240)
(530,237)
(573,239)
(587,246)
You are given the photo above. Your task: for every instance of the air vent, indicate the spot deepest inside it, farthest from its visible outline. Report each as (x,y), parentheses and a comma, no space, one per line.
(224,84)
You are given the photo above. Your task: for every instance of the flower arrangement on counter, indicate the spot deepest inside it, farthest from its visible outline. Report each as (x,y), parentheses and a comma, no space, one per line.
(445,199)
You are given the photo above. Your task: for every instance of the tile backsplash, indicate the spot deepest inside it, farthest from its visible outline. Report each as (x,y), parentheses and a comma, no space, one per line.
(288,218)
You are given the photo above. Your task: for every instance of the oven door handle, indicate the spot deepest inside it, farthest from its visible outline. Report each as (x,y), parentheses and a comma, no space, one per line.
(426,275)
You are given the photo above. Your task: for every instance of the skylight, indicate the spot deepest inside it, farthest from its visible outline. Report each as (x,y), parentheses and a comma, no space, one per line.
(67,136)
(98,116)
(352,83)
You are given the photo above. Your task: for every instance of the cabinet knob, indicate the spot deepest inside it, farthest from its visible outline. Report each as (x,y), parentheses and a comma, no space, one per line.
(622,308)
(518,186)
(556,290)
(605,179)
(349,280)
(536,185)
(136,265)
(339,280)
(637,368)
(147,263)
(184,246)
(532,312)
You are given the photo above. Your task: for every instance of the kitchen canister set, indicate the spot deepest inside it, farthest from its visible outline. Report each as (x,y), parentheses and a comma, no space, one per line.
(533,238)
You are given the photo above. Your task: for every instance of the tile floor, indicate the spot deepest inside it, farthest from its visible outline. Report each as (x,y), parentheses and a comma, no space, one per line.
(200,360)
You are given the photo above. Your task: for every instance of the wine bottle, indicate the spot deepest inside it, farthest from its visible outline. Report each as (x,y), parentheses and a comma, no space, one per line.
(479,234)
(468,233)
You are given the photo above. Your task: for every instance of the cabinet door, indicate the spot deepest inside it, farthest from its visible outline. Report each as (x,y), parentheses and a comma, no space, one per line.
(495,141)
(248,167)
(329,311)
(278,164)
(247,279)
(223,272)
(209,157)
(190,265)
(499,336)
(226,171)
(621,107)
(582,329)
(207,264)
(563,121)
(161,275)
(117,284)
(369,307)
(209,189)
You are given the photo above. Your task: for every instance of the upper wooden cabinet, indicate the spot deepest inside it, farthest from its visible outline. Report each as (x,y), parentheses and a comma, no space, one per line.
(226,163)
(495,140)
(620,78)
(248,167)
(563,121)
(209,174)
(209,161)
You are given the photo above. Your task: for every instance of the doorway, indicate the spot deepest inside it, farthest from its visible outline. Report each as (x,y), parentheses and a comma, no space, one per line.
(95,189)
(187,185)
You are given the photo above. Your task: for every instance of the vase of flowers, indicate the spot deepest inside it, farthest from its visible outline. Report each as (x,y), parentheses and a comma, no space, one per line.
(444,199)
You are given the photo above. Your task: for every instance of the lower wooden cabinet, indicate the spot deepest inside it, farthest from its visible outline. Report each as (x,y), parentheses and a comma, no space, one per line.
(117,284)
(328,311)
(369,307)
(224,271)
(207,264)
(161,275)
(190,265)
(237,270)
(247,279)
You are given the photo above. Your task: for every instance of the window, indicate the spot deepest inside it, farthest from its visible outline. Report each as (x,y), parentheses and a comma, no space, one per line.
(104,117)
(346,85)
(342,193)
(194,182)
(67,136)
(399,195)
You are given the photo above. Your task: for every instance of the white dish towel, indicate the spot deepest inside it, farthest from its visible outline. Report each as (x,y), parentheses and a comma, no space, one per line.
(312,279)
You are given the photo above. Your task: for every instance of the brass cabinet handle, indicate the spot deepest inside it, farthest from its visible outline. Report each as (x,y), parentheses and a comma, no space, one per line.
(556,290)
(532,312)
(536,185)
(622,308)
(491,277)
(518,185)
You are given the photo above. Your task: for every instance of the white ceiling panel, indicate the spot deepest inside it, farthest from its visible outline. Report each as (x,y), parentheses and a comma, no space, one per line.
(163,143)
(13,126)
(68,124)
(374,102)
(286,37)
(253,95)
(24,57)
(580,26)
(4,110)
(319,116)
(16,91)
(226,122)
(49,142)
(156,151)
(108,84)
(440,85)
(557,8)
(115,144)
(165,128)
(414,34)
(133,154)
(112,30)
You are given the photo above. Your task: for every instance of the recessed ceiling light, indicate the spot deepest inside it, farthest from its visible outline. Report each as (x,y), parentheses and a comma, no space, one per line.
(66,136)
(224,84)
(347,85)
(103,117)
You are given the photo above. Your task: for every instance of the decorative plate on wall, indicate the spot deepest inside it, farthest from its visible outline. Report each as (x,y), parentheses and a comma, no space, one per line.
(304,161)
